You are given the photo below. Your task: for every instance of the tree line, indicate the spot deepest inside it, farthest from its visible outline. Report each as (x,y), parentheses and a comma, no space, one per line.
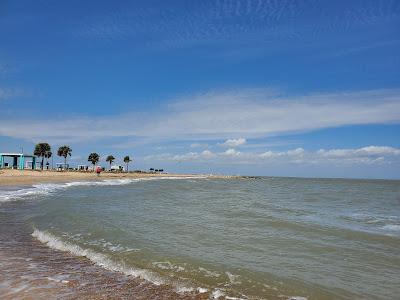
(43,150)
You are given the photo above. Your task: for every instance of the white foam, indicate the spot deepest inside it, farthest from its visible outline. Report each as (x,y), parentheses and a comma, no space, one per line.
(209,273)
(107,263)
(41,189)
(233,279)
(166,265)
(48,188)
(392,227)
(297,298)
(59,279)
(216,294)
(202,290)
(183,289)
(98,258)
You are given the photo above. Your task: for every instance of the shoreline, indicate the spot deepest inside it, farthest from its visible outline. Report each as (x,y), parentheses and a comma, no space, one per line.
(10,177)
(55,274)
(90,244)
(52,270)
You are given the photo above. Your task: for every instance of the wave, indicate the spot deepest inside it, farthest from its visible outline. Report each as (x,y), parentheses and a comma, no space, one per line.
(39,189)
(48,188)
(107,263)
(369,218)
(392,227)
(98,258)
(388,224)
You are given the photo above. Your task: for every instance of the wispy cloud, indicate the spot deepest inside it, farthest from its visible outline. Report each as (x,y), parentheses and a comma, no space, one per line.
(366,155)
(7,93)
(358,49)
(199,145)
(226,22)
(366,151)
(248,113)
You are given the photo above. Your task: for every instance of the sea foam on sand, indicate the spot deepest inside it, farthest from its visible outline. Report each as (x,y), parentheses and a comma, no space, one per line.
(105,262)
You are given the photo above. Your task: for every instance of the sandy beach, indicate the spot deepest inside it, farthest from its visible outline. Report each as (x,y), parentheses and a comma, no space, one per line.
(27,177)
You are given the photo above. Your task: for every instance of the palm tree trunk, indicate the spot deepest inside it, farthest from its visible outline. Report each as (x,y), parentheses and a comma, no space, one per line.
(65,161)
(42,162)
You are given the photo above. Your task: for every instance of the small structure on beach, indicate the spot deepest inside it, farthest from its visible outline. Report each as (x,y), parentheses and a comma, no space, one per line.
(83,167)
(152,170)
(117,168)
(18,161)
(62,166)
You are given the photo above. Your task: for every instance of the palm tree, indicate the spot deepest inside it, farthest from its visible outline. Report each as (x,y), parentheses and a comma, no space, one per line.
(64,151)
(110,159)
(47,156)
(42,150)
(94,158)
(127,160)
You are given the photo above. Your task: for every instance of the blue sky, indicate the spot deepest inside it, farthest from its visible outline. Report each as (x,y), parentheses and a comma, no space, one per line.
(288,88)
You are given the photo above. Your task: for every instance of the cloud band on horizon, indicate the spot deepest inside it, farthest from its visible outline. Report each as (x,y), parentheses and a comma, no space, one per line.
(365,155)
(235,115)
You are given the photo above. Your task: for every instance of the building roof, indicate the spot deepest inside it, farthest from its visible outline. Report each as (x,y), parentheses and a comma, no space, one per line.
(16,154)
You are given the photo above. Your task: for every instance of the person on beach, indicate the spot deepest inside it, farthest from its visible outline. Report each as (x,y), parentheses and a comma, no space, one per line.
(98,171)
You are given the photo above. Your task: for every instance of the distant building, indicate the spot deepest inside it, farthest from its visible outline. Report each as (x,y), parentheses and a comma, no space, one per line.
(117,168)
(62,166)
(17,161)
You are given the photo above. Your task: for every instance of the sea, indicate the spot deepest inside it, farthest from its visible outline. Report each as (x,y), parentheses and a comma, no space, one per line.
(199,237)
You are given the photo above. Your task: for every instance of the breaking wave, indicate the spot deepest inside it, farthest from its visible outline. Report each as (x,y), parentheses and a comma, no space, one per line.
(48,188)
(107,263)
(100,259)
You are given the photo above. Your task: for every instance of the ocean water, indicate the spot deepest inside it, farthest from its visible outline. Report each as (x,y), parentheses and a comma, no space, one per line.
(264,238)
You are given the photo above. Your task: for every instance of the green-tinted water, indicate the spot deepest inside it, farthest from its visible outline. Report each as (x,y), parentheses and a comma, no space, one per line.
(269,237)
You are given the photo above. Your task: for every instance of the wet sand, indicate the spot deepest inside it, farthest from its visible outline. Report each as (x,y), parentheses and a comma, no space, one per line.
(31,270)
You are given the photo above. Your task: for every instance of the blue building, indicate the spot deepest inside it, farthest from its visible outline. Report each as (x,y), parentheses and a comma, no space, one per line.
(17,161)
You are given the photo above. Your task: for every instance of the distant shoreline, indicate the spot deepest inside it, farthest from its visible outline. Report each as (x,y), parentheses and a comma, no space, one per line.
(10,177)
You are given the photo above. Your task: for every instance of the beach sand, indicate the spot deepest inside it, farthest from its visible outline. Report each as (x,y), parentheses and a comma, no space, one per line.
(10,177)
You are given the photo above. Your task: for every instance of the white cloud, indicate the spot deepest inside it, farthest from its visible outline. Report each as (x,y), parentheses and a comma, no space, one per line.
(190,156)
(379,150)
(231,152)
(369,151)
(220,115)
(269,154)
(207,154)
(296,152)
(234,142)
(365,155)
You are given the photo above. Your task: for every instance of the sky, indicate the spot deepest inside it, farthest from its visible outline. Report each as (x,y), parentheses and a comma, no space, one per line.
(275,88)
